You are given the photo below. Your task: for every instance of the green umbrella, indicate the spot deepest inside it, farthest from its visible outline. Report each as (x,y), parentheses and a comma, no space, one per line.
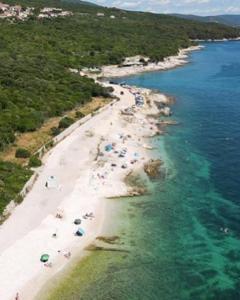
(44,258)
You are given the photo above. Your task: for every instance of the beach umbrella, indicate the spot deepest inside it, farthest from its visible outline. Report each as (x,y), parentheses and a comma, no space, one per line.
(44,258)
(80,232)
(77,221)
(108,148)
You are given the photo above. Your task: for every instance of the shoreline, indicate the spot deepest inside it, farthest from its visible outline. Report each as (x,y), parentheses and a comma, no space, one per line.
(81,174)
(218,40)
(171,62)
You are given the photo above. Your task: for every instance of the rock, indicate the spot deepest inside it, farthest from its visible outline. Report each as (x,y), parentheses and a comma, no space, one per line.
(108,239)
(166,111)
(152,167)
(136,185)
(137,191)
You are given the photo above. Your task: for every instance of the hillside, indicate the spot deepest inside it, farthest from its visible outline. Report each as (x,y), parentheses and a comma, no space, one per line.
(80,2)
(230,20)
(36,54)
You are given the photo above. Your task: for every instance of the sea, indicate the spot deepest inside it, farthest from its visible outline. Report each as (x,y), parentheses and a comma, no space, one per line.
(181,241)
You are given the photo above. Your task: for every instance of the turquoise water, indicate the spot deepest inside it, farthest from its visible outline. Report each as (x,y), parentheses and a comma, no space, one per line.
(204,195)
(176,247)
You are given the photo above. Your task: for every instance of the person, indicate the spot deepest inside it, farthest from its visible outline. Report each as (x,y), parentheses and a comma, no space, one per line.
(226,230)
(17,297)
(68,255)
(48,265)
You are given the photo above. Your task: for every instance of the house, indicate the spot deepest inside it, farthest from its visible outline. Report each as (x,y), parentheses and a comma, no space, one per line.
(112,17)
(3,7)
(15,10)
(52,12)
(100,15)
(65,13)
(137,60)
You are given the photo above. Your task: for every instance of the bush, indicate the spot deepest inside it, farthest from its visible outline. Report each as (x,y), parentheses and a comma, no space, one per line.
(65,122)
(22,153)
(79,115)
(55,131)
(13,177)
(49,144)
(34,162)
(109,90)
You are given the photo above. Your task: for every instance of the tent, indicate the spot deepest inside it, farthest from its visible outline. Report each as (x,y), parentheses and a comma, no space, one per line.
(44,258)
(80,232)
(52,182)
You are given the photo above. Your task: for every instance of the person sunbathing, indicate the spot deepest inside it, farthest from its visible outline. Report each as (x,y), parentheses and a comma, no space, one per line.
(67,255)
(17,297)
(48,265)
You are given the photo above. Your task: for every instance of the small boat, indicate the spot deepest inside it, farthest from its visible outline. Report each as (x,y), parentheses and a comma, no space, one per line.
(147,147)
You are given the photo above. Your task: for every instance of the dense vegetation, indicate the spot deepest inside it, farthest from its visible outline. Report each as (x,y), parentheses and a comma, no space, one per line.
(35,57)
(12,179)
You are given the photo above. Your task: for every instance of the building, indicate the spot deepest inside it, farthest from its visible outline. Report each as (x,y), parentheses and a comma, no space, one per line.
(3,7)
(137,60)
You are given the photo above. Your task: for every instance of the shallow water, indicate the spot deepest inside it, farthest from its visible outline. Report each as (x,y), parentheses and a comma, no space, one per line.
(174,240)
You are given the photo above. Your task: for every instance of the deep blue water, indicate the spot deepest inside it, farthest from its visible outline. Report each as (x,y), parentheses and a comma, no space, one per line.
(182,241)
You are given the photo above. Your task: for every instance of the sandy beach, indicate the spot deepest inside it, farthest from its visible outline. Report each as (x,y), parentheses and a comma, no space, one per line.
(77,175)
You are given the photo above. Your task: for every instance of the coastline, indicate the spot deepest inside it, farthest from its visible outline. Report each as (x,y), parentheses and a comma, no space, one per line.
(218,40)
(170,62)
(77,169)
(158,226)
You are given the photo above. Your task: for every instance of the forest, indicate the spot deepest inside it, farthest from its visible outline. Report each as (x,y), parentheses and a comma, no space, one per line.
(35,57)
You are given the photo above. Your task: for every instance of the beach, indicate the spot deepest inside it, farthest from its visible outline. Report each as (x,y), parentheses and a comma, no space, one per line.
(88,166)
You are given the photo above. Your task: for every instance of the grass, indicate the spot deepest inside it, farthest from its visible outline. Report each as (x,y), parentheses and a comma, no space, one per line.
(32,141)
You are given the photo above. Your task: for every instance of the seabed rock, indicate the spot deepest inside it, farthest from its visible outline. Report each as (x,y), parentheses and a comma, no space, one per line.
(152,168)
(93,247)
(108,239)
(136,184)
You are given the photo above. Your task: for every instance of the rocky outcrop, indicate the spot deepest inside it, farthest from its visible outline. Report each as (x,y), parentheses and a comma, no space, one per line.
(165,111)
(108,239)
(152,168)
(136,185)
